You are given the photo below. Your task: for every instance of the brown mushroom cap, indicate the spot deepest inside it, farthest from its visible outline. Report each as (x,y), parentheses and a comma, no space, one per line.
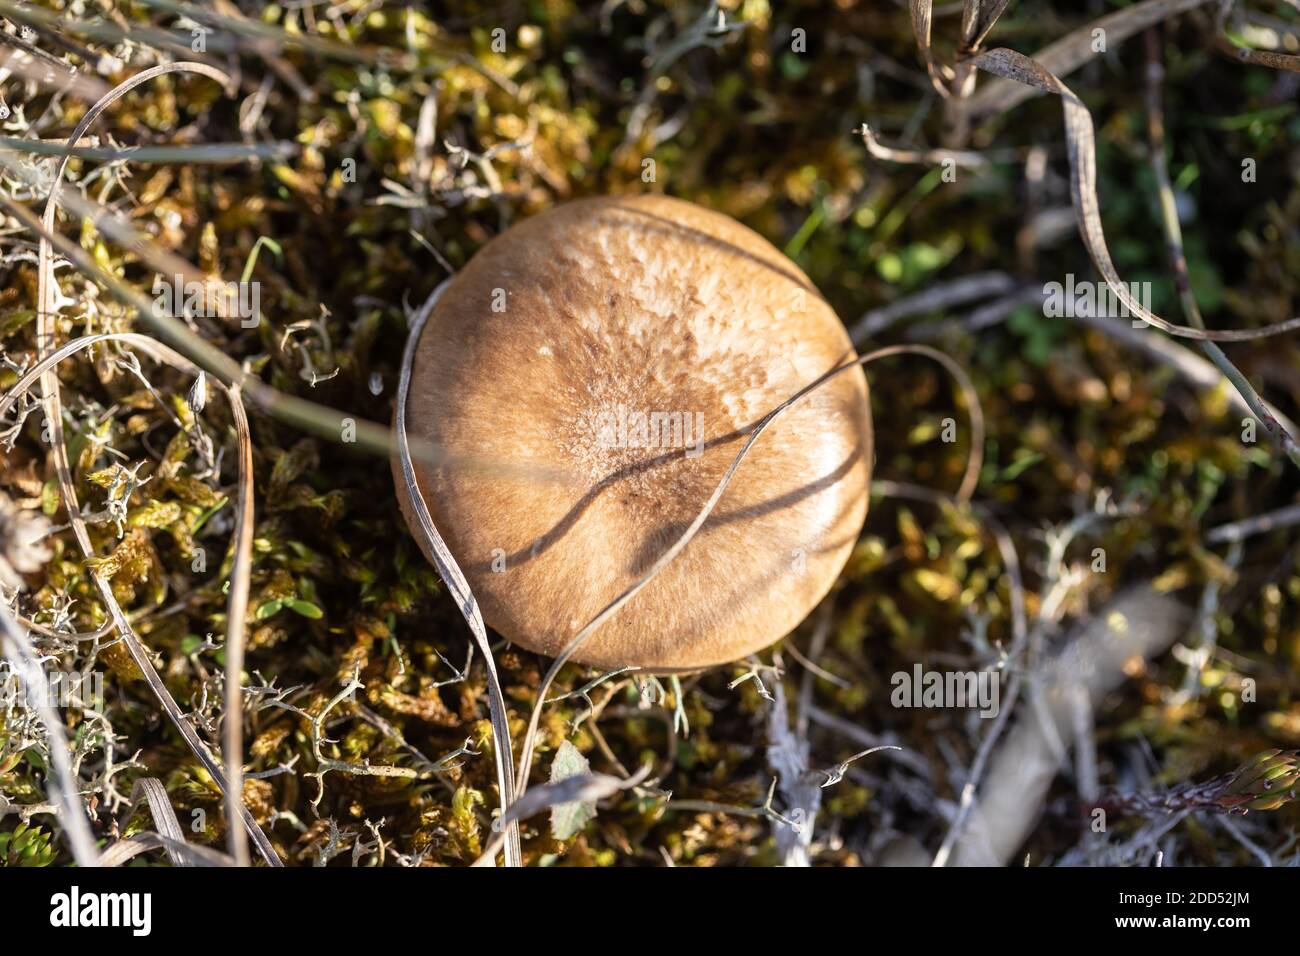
(554,346)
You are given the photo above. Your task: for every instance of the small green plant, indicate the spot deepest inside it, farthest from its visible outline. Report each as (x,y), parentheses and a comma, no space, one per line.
(27,846)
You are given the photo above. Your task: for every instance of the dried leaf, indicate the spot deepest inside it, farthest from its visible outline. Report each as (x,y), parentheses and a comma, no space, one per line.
(568,819)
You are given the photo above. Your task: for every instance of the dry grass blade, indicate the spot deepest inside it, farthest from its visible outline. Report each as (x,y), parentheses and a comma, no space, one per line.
(1074,50)
(1081,142)
(62,780)
(977,19)
(450,573)
(47,297)
(164,817)
(126,850)
(921,19)
(216,154)
(969,481)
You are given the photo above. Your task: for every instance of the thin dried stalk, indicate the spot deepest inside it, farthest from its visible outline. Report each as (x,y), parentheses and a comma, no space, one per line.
(1245,54)
(1258,524)
(139,654)
(327,49)
(48,72)
(1178,259)
(451,575)
(47,297)
(926,157)
(921,18)
(935,298)
(976,22)
(216,154)
(241,573)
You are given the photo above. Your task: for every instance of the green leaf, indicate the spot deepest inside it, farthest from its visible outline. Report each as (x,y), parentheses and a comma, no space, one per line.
(568,819)
(305,608)
(269,609)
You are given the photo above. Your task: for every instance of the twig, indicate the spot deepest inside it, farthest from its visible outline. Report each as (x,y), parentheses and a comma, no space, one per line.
(934,298)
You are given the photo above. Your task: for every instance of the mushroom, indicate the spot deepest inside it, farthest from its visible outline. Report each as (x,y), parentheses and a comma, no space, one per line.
(628,345)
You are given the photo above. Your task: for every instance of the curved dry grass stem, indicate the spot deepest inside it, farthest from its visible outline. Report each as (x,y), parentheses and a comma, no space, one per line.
(922,15)
(241,571)
(1081,143)
(967,488)
(1155,73)
(46,334)
(460,590)
(139,654)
